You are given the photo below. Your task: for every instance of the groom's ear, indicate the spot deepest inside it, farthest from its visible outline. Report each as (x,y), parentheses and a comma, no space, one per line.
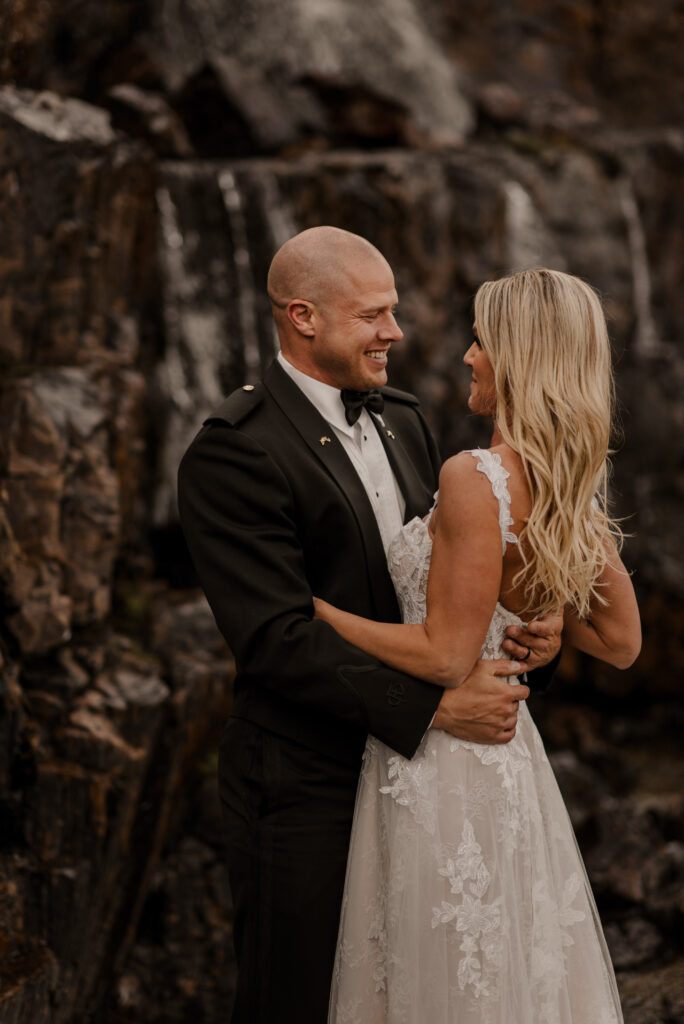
(300,313)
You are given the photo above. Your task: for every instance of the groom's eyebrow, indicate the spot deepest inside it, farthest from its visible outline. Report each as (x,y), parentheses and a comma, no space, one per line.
(379,309)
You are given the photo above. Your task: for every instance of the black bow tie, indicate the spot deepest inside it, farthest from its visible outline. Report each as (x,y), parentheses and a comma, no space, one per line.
(355,401)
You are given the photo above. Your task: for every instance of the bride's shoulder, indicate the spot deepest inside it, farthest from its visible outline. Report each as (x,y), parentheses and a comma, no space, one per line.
(473,462)
(462,485)
(478,471)
(458,468)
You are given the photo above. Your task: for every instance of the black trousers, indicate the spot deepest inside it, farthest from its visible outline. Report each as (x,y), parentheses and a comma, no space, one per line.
(288,813)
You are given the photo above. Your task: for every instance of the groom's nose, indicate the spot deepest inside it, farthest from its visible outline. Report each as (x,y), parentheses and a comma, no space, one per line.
(390,329)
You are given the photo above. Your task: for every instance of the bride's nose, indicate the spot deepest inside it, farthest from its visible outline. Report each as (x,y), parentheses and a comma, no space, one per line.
(469,356)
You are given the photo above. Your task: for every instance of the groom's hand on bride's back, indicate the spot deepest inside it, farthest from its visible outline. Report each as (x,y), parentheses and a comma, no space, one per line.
(484,708)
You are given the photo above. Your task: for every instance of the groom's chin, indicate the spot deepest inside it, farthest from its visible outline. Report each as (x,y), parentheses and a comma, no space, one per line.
(378,378)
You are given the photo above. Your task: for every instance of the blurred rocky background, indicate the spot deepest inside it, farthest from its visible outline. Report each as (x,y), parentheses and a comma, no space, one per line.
(153,155)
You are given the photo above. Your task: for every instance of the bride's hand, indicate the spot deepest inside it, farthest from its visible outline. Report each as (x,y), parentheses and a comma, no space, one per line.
(538,644)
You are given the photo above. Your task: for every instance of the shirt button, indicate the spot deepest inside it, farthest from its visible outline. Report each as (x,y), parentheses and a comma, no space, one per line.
(377,494)
(365,438)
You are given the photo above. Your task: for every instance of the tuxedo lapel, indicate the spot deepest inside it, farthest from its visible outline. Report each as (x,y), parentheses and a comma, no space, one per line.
(321,439)
(418,498)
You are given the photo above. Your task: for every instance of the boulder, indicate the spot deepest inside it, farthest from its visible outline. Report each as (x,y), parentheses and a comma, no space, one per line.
(360,64)
(633,943)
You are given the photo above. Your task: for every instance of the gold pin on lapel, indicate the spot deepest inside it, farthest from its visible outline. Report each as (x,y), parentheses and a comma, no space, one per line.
(390,434)
(325,440)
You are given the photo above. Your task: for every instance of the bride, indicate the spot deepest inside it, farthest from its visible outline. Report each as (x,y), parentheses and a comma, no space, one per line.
(466,900)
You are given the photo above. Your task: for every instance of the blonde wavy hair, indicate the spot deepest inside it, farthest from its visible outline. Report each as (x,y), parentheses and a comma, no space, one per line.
(545,335)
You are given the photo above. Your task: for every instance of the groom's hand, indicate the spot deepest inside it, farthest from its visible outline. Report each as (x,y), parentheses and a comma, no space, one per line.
(538,644)
(484,708)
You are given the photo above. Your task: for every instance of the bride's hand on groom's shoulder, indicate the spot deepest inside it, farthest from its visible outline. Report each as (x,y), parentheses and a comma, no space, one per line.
(538,643)
(484,708)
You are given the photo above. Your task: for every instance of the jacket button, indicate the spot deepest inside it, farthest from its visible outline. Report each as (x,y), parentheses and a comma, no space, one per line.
(395,694)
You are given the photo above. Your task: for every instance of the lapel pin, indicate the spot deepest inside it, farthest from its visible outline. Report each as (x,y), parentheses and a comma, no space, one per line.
(390,434)
(325,440)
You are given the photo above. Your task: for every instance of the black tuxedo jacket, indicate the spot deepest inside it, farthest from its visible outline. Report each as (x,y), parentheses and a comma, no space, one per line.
(273,513)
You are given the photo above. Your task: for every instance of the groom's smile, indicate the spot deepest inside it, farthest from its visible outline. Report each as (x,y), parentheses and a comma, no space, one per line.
(379,356)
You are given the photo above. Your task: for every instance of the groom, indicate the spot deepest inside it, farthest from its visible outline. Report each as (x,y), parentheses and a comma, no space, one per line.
(294,487)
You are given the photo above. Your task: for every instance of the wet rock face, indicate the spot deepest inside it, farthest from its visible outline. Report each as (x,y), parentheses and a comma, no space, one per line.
(62,507)
(619,57)
(333,70)
(185,937)
(132,298)
(88,801)
(64,45)
(261,77)
(76,203)
(96,730)
(76,210)
(654,995)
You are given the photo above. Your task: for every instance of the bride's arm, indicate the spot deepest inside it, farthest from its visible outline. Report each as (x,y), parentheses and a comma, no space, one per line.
(612,632)
(463,586)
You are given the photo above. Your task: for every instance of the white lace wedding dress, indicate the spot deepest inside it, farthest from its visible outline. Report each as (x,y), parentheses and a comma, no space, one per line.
(466,900)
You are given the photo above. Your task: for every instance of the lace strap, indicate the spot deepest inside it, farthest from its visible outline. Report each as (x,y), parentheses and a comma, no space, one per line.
(489,463)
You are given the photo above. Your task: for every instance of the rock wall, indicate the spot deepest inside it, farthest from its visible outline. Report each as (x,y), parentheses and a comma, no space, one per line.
(152,157)
(101,717)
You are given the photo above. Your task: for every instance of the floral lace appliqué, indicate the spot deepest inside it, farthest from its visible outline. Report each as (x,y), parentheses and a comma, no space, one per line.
(489,463)
(551,936)
(479,922)
(411,787)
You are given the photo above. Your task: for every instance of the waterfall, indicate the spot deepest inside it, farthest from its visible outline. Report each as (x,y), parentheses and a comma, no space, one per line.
(218,229)
(646,341)
(528,241)
(188,380)
(281,223)
(246,290)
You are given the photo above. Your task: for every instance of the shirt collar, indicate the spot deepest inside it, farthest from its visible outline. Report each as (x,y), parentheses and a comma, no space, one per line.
(325,397)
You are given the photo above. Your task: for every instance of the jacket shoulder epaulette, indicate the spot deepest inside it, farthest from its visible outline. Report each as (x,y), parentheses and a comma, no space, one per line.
(395,395)
(238,405)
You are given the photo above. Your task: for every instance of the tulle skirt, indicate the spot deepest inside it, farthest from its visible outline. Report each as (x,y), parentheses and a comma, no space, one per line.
(466,899)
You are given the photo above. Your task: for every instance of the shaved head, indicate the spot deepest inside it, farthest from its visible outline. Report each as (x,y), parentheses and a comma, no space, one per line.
(333,299)
(316,263)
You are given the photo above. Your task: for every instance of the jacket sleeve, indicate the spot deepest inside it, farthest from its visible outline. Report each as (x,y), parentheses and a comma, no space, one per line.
(433,450)
(239,521)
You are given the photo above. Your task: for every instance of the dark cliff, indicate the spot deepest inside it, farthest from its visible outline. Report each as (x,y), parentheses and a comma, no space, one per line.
(152,157)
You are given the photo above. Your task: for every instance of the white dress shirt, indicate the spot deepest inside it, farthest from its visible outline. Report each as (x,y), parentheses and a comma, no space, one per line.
(364,448)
